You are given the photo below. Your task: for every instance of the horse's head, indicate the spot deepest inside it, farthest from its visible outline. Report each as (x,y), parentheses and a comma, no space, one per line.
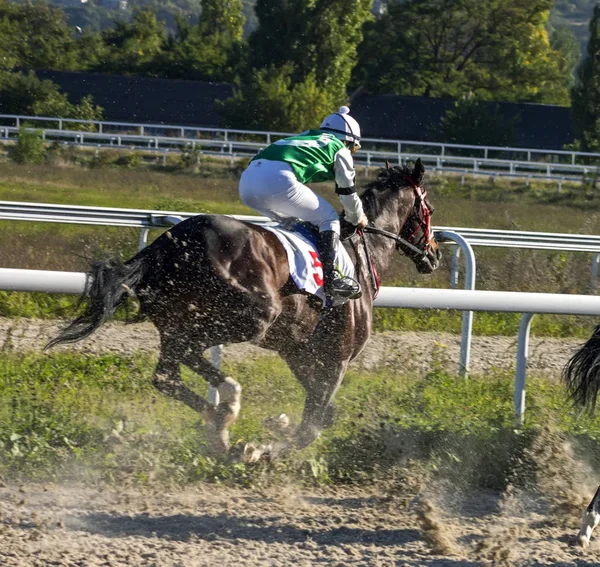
(411,211)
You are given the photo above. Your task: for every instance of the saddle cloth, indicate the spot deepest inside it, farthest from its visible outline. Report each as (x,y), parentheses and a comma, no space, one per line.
(306,269)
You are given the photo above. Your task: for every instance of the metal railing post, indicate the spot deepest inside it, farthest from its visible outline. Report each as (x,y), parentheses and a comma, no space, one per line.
(455,268)
(521,372)
(143,238)
(216,359)
(595,266)
(467,319)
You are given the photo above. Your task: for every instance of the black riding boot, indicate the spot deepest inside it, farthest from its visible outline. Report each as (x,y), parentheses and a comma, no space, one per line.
(335,285)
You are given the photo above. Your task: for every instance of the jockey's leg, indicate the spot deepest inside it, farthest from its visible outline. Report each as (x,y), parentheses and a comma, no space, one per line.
(276,192)
(335,285)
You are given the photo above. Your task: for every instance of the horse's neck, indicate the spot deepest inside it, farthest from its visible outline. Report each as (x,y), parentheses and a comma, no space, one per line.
(382,248)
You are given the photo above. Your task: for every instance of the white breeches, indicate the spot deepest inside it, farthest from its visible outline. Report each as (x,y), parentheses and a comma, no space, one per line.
(271,188)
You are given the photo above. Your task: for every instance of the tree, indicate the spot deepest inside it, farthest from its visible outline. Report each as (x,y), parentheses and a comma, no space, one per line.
(317,37)
(564,41)
(222,18)
(270,100)
(300,59)
(498,49)
(212,49)
(133,47)
(37,37)
(586,92)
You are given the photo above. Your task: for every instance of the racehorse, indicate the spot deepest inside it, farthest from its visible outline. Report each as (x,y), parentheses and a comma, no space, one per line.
(582,378)
(212,280)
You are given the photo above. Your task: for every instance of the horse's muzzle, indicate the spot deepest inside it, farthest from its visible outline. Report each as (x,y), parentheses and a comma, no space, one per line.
(430,261)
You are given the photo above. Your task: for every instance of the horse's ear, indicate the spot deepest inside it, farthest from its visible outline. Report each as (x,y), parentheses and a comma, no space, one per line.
(387,164)
(418,172)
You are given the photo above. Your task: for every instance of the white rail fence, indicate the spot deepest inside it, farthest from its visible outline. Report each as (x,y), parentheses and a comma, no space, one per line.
(559,165)
(414,298)
(463,238)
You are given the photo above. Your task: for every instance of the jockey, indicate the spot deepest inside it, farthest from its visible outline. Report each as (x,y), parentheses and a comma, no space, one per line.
(274,184)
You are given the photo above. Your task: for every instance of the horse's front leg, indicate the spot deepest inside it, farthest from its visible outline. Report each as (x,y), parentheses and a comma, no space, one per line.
(319,410)
(591,518)
(320,368)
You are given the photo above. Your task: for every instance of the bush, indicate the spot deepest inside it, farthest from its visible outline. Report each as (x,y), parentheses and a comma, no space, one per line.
(26,94)
(130,161)
(190,156)
(30,147)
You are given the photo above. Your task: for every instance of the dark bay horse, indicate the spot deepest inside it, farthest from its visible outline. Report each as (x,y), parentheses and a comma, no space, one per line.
(214,280)
(582,378)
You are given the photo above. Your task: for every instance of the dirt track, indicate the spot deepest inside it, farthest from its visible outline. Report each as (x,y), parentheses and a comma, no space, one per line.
(215,526)
(412,352)
(207,525)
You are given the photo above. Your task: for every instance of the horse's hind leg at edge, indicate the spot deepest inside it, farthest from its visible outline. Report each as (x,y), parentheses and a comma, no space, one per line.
(590,520)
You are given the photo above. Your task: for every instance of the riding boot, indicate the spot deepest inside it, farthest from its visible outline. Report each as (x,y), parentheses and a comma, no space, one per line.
(335,285)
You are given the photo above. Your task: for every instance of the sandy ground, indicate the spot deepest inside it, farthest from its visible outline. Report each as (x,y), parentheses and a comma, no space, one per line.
(54,525)
(379,525)
(412,352)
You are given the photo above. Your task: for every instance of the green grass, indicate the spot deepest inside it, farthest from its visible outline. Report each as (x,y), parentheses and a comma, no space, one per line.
(99,419)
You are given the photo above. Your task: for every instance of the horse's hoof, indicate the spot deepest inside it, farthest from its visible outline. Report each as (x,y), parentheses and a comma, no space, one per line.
(582,541)
(254,454)
(277,424)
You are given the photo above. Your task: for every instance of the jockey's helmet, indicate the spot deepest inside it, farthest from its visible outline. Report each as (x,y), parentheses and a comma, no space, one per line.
(344,127)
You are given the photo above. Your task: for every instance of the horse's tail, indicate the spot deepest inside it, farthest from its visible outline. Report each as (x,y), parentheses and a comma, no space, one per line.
(110,282)
(582,373)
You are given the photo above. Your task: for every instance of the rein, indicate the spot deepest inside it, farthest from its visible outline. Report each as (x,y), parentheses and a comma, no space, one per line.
(398,239)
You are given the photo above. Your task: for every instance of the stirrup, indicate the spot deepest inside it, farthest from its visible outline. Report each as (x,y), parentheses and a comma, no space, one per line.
(344,287)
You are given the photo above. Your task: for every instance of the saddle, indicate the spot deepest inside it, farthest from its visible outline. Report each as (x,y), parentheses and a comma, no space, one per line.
(311,231)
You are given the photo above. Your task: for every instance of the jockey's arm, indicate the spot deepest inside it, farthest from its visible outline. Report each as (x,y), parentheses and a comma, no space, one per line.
(345,187)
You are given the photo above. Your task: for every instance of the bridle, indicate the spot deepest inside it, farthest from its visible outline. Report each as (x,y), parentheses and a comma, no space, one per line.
(420,196)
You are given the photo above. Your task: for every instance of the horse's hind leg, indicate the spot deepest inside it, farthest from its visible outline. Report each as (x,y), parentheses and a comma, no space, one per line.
(591,518)
(228,402)
(167,379)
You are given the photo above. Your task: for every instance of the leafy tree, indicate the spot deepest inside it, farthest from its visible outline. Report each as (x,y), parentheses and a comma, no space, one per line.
(222,18)
(475,122)
(498,49)
(317,37)
(132,47)
(212,49)
(92,50)
(270,100)
(564,41)
(586,92)
(36,36)
(301,58)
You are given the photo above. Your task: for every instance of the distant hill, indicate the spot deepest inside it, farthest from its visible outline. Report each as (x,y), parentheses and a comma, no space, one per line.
(576,14)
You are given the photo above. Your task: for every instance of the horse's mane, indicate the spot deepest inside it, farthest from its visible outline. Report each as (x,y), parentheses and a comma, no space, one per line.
(392,177)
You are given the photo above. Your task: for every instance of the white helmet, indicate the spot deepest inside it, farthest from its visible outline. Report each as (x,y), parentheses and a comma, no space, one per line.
(343,126)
